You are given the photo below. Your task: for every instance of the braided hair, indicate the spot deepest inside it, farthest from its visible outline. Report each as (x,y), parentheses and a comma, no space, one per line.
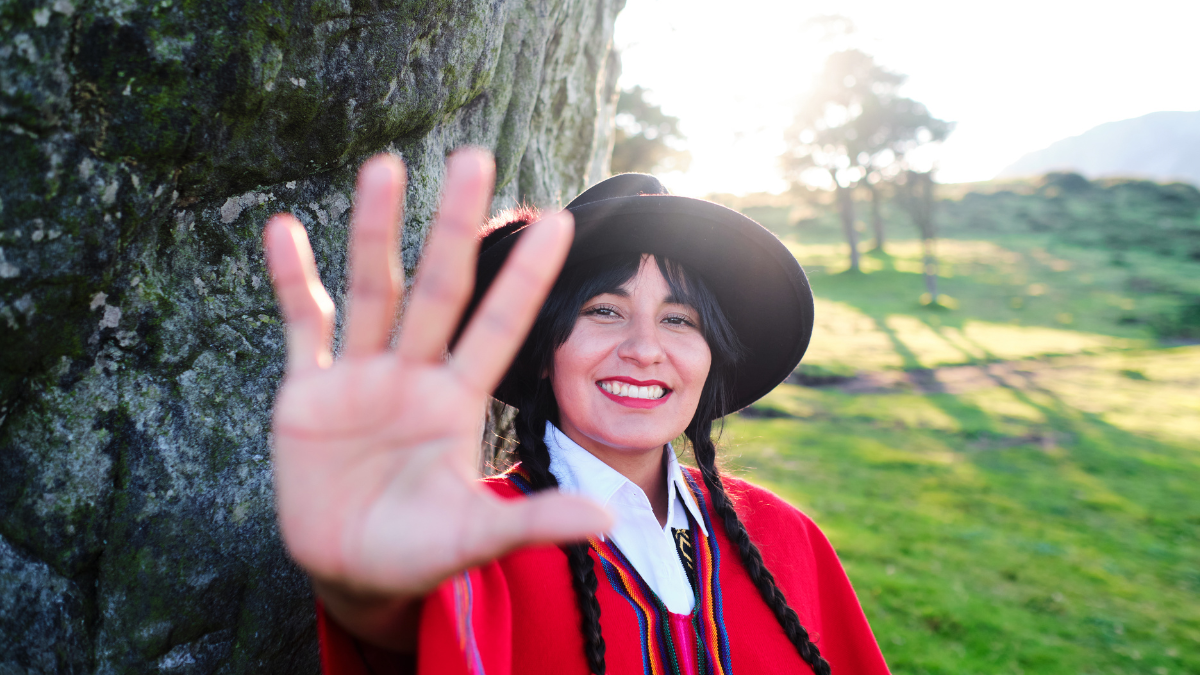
(534,400)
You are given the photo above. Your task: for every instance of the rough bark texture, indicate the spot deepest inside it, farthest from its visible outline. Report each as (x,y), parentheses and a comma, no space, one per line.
(143,146)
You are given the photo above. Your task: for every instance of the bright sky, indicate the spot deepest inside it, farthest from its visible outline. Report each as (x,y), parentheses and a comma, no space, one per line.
(1015,75)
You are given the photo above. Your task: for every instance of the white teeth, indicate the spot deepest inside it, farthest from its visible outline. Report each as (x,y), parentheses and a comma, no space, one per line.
(651,392)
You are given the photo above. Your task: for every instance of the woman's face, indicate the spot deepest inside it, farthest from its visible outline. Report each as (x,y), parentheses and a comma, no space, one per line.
(629,377)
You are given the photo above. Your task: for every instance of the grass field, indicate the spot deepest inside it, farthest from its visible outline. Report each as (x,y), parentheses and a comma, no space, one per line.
(1013,484)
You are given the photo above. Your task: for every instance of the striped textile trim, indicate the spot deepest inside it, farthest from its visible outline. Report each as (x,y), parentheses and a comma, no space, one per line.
(464,605)
(658,651)
(708,623)
(520,478)
(708,616)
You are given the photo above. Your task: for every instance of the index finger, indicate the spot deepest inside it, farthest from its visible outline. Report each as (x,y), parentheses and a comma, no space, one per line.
(499,326)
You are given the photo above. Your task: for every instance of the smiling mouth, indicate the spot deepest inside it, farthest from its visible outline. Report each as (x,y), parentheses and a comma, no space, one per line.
(651,392)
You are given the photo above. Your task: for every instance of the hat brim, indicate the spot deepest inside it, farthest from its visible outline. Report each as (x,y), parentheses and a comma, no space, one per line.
(757,282)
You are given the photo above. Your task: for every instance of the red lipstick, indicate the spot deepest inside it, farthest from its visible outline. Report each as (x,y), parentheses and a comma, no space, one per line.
(630,380)
(630,402)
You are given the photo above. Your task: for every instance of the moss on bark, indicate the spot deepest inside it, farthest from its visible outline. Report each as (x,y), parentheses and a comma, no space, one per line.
(145,144)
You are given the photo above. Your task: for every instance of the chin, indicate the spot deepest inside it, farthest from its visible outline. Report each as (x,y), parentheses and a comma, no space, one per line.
(637,434)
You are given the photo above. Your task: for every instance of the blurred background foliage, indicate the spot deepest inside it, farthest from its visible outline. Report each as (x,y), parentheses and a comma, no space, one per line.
(998,420)
(646,140)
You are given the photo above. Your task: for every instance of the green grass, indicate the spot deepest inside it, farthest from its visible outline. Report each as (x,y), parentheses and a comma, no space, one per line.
(1017,297)
(1030,505)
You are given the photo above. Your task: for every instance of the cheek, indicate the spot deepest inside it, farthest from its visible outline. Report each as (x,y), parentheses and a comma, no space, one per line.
(574,362)
(693,361)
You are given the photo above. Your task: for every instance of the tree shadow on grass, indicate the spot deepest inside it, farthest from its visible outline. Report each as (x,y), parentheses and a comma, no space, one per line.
(1086,498)
(1080,446)
(1077,446)
(886,261)
(889,291)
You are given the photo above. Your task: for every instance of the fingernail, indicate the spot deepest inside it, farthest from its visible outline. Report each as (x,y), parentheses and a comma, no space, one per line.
(477,158)
(563,222)
(378,173)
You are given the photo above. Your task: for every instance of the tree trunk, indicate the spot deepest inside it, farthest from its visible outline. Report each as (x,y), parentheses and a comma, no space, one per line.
(499,438)
(845,199)
(928,244)
(922,200)
(141,346)
(876,215)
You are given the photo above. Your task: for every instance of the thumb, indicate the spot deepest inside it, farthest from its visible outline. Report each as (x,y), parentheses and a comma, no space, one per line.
(549,518)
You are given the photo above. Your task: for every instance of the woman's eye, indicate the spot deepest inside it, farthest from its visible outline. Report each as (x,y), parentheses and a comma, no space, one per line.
(600,310)
(680,320)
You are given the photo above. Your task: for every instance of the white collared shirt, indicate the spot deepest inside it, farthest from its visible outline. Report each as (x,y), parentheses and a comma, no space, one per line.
(649,547)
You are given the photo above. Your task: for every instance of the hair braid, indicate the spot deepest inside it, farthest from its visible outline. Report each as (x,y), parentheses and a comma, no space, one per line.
(535,458)
(583,578)
(700,435)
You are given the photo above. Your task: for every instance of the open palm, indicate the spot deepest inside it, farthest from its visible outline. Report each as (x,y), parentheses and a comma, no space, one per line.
(375,453)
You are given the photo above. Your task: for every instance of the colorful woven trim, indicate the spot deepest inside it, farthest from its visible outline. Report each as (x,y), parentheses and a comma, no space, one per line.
(464,605)
(464,595)
(520,478)
(709,613)
(658,649)
(708,623)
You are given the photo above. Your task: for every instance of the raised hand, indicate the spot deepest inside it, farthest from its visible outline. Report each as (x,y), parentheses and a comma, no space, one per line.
(375,453)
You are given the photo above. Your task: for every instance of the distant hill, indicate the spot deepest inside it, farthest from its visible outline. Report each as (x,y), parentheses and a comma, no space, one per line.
(1161,146)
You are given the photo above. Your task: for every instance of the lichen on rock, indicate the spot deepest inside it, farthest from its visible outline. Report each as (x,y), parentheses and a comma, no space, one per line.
(145,145)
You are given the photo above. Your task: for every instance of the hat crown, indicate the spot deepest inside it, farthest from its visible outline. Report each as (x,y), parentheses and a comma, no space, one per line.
(755,279)
(621,185)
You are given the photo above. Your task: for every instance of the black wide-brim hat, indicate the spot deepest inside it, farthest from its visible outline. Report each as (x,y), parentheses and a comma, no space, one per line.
(756,280)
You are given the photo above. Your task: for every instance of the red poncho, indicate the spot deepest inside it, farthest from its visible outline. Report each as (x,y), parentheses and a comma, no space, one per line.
(518,615)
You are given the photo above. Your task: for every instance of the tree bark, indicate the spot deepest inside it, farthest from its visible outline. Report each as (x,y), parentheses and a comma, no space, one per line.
(145,146)
(845,199)
(499,438)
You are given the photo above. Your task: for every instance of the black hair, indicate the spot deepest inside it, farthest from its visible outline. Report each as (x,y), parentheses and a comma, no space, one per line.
(530,392)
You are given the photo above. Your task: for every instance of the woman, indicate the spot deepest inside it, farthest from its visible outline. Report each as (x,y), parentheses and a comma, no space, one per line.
(670,313)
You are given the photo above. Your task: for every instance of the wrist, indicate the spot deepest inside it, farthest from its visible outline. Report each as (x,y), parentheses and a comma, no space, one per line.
(384,620)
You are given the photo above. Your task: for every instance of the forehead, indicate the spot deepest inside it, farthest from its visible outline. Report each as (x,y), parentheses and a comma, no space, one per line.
(649,283)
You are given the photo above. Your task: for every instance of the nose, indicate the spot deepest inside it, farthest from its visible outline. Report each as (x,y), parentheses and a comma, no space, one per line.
(642,344)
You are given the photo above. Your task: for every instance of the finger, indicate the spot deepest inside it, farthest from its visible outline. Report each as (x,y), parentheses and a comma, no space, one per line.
(447,275)
(499,326)
(375,272)
(546,518)
(307,309)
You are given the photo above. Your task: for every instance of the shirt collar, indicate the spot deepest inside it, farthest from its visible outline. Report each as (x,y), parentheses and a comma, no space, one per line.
(580,472)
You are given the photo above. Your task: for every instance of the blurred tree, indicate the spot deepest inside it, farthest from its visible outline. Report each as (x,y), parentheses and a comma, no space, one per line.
(915,190)
(855,127)
(892,127)
(646,139)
